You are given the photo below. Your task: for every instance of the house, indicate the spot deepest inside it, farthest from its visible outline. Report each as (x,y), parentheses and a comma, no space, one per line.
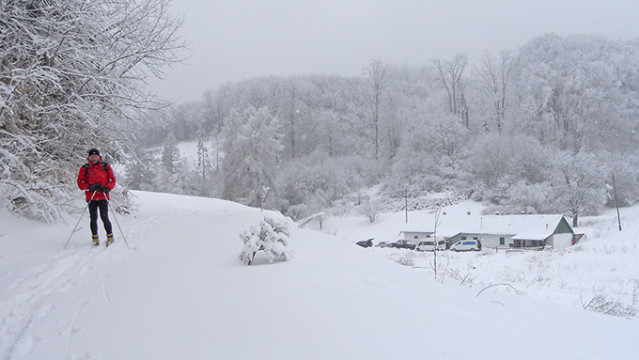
(519,231)
(416,236)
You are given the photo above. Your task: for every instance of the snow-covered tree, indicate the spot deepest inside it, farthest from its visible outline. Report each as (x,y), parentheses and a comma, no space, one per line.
(378,75)
(251,151)
(203,159)
(170,154)
(70,71)
(270,236)
(140,170)
(494,78)
(450,73)
(580,185)
(371,208)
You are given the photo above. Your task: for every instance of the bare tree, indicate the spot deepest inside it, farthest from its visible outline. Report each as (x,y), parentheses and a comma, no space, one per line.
(450,73)
(293,111)
(494,76)
(378,75)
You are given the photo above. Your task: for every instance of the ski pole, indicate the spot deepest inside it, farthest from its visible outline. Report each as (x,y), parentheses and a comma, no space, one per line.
(118,223)
(80,219)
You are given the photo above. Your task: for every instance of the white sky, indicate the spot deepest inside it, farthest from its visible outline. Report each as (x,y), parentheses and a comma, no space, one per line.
(236,40)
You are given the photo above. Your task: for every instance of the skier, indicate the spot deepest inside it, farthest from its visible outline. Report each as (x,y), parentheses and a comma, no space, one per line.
(97,179)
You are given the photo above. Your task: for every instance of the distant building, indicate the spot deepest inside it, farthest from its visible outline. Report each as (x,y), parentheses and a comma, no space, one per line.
(417,236)
(506,231)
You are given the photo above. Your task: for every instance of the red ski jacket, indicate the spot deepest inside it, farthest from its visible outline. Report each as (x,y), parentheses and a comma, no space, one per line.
(100,173)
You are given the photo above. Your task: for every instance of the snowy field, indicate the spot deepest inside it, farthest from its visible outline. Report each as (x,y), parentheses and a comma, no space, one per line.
(600,273)
(180,292)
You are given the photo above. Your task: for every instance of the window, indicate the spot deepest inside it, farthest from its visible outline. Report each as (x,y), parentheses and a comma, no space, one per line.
(463,238)
(475,238)
(502,241)
(416,237)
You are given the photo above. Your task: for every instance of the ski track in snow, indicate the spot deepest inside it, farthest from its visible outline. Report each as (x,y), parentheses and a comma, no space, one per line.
(71,331)
(30,294)
(28,302)
(106,291)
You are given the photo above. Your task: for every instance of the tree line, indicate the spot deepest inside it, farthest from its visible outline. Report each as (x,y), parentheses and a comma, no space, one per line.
(538,129)
(541,128)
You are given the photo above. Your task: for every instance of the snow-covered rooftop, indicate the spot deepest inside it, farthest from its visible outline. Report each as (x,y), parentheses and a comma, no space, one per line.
(523,226)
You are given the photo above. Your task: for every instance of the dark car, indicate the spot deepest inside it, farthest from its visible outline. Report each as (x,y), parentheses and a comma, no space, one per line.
(365,243)
(403,244)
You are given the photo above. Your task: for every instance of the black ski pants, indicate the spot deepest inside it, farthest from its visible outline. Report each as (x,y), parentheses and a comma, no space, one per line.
(103,205)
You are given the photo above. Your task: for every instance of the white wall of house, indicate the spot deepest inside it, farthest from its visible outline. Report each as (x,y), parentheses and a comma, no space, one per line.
(417,236)
(560,241)
(494,241)
(487,240)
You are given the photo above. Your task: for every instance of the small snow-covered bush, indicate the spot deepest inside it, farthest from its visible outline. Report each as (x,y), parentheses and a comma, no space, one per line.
(270,236)
(404,259)
(297,212)
(370,209)
(607,306)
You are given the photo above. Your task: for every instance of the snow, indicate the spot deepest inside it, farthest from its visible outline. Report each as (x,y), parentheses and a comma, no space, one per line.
(181,291)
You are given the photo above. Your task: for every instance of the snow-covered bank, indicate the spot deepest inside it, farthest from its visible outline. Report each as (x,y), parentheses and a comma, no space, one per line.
(181,292)
(601,268)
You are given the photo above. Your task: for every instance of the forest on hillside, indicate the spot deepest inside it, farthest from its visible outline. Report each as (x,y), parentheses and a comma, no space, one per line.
(551,126)
(540,129)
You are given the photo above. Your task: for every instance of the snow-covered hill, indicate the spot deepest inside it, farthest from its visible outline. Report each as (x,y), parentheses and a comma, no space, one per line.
(180,292)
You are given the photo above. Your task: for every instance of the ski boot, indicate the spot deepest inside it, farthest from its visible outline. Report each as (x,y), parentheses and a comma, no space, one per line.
(96,241)
(109,239)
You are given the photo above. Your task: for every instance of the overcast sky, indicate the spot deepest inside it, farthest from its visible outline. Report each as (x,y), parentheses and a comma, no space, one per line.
(233,40)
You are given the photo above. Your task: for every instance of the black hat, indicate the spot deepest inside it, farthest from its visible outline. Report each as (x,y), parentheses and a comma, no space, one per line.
(94,152)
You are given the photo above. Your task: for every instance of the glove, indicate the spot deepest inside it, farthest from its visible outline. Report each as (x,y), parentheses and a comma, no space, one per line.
(95,187)
(104,189)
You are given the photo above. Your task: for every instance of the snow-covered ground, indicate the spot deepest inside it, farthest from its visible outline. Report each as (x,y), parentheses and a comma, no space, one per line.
(602,267)
(180,292)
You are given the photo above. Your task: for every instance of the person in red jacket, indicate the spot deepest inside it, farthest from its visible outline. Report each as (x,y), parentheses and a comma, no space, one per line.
(97,179)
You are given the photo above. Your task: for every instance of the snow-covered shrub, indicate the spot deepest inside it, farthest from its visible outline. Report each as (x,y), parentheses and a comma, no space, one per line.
(297,212)
(270,236)
(607,306)
(370,208)
(404,259)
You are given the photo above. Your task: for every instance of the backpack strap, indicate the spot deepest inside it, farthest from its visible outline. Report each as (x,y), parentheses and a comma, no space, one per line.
(87,166)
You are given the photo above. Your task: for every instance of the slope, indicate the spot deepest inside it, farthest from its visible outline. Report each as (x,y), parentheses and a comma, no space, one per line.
(181,293)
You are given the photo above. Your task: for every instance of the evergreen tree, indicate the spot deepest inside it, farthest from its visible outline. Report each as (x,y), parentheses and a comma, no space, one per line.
(251,151)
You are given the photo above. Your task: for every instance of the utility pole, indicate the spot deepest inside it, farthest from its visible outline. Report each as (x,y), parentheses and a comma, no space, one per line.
(436,245)
(406,203)
(614,190)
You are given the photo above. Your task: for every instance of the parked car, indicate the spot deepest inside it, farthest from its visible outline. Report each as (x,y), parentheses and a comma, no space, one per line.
(429,245)
(383,244)
(403,244)
(466,245)
(365,243)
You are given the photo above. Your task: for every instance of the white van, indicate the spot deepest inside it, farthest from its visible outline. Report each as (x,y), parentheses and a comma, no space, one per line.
(429,245)
(466,245)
